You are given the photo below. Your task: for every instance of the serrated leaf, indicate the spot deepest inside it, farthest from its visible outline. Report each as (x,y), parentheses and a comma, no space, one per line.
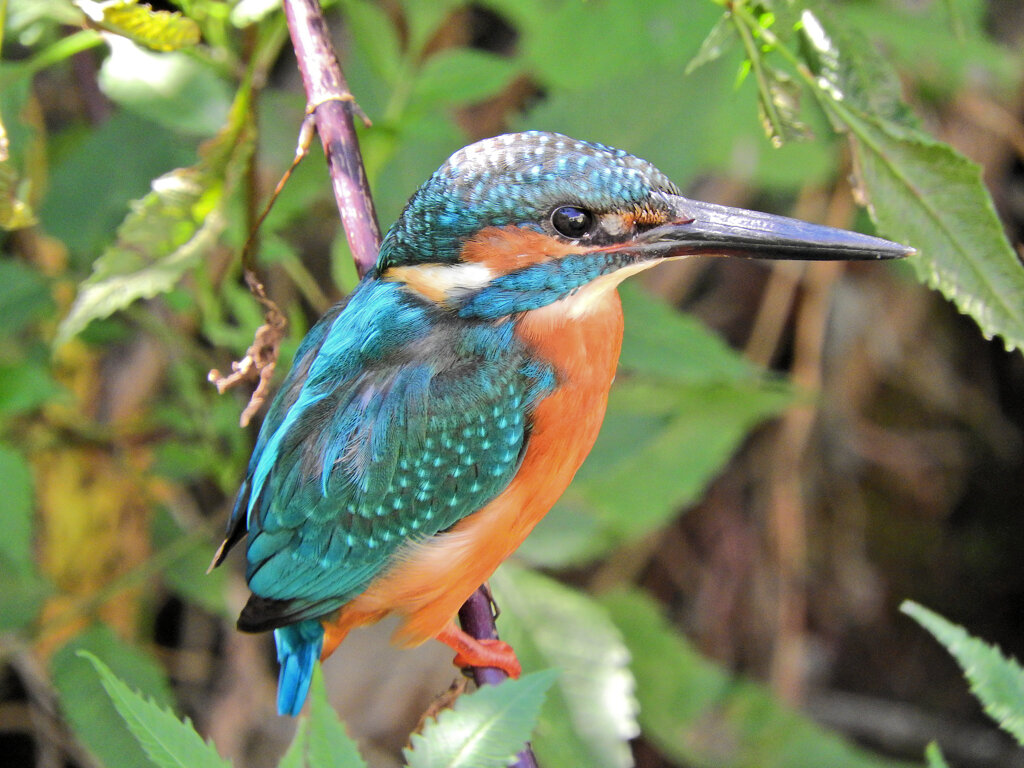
(159,30)
(925,194)
(169,742)
(849,68)
(997,681)
(328,745)
(484,729)
(590,716)
(699,715)
(779,107)
(719,40)
(168,231)
(91,714)
(934,756)
(164,235)
(461,76)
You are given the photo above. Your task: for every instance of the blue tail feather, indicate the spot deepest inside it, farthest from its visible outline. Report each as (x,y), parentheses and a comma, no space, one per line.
(298,648)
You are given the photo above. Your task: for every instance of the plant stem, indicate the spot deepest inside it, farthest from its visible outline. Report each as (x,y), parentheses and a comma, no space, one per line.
(332,105)
(477,619)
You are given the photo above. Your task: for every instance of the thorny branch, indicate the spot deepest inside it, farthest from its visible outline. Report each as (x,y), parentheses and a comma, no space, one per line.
(331,106)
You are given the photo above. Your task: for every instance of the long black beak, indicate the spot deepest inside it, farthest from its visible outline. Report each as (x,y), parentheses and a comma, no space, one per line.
(706,228)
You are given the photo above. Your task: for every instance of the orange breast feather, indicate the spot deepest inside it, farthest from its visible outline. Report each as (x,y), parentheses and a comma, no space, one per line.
(581,337)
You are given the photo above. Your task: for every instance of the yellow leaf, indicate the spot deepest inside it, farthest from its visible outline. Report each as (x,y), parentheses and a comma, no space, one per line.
(159,30)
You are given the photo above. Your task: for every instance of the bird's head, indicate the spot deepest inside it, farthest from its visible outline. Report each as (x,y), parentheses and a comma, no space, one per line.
(519,221)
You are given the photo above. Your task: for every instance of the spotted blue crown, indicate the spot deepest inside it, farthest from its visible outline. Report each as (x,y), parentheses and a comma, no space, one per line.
(516,178)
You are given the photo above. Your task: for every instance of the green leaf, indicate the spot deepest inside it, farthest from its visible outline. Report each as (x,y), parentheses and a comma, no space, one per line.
(375,38)
(663,343)
(698,715)
(778,96)
(165,234)
(462,75)
(680,438)
(424,18)
(923,193)
(679,128)
(25,295)
(22,592)
(778,106)
(997,681)
(172,89)
(25,386)
(850,69)
(934,756)
(485,729)
(159,30)
(328,744)
(98,172)
(918,39)
(168,231)
(719,40)
(91,714)
(15,507)
(591,713)
(169,742)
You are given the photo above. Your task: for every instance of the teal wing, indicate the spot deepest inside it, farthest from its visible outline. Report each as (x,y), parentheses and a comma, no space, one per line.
(395,423)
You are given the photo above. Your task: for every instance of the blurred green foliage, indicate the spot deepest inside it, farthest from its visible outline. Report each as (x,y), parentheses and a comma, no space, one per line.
(141,212)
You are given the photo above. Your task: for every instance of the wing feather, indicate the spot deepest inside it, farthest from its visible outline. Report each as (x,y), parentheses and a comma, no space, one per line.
(379,444)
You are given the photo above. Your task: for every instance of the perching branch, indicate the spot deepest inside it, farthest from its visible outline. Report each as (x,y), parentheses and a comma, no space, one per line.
(332,106)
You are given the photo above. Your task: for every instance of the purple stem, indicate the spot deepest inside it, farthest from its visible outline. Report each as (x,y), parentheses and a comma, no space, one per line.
(477,619)
(332,105)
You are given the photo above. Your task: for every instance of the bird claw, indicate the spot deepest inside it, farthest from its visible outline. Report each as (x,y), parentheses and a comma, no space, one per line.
(491,653)
(485,652)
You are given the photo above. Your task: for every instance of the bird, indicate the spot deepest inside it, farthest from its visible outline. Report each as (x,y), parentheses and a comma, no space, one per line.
(435,415)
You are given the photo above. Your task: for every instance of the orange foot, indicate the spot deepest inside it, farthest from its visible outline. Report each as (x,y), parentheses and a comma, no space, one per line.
(470,652)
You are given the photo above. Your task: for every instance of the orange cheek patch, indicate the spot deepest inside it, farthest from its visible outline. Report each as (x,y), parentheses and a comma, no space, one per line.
(506,249)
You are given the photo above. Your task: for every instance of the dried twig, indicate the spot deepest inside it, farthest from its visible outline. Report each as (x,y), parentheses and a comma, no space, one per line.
(261,357)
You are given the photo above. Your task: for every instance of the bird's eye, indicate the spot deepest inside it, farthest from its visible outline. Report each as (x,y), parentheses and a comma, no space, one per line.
(572,222)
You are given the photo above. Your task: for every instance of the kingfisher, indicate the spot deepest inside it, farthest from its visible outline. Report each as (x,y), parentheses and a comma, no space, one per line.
(436,414)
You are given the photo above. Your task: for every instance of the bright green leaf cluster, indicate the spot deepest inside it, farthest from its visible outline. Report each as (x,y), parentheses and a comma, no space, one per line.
(917,190)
